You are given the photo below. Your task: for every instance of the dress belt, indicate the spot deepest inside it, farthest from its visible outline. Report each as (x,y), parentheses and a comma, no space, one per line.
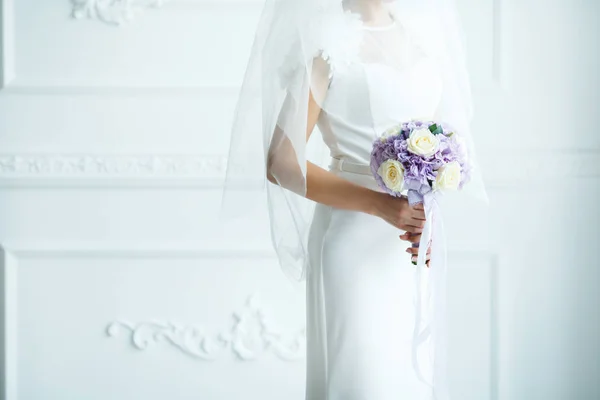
(354,168)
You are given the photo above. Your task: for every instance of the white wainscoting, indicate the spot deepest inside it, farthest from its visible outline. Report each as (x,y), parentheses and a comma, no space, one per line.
(151,320)
(72,308)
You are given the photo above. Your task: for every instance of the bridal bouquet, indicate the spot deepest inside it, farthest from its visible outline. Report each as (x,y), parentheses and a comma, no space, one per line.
(419,159)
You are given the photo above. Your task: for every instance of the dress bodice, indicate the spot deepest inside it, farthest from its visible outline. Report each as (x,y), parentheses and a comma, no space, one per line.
(375,93)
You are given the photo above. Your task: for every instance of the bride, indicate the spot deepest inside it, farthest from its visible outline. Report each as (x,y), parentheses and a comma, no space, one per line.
(350,69)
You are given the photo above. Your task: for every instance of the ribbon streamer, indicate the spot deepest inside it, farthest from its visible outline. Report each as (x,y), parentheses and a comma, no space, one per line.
(436,329)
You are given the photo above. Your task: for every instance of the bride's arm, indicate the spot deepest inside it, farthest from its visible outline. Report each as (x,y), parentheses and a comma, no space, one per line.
(327,188)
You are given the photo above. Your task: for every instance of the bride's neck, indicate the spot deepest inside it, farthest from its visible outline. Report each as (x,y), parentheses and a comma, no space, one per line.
(372,12)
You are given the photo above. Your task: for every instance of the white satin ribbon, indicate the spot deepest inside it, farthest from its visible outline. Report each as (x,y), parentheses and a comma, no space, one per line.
(436,328)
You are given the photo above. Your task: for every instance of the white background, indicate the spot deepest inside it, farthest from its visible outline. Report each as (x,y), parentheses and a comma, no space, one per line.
(120,283)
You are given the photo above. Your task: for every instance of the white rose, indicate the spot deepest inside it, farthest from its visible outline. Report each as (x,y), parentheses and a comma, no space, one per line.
(392,173)
(422,142)
(448,177)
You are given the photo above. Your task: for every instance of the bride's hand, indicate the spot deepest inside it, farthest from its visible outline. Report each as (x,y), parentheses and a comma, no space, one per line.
(397,212)
(414,251)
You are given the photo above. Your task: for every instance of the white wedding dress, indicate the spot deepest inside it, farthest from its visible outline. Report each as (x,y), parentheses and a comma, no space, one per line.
(360,284)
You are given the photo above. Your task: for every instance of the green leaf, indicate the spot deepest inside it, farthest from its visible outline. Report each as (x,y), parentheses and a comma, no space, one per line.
(436,129)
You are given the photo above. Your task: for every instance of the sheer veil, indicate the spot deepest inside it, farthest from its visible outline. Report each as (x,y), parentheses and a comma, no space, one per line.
(299,47)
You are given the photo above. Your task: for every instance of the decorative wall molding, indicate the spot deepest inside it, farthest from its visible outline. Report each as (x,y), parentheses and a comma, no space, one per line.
(111,165)
(105,169)
(112,12)
(251,336)
(121,12)
(61,90)
(83,170)
(497,44)
(8,325)
(7,42)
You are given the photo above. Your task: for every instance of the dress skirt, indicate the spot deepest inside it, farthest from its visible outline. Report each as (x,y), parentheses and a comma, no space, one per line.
(361,304)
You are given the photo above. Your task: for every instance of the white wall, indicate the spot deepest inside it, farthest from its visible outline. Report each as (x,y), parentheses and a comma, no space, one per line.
(120,283)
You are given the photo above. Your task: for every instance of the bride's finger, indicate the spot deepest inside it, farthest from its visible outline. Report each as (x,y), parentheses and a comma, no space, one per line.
(411,229)
(418,214)
(415,238)
(417,223)
(411,237)
(415,250)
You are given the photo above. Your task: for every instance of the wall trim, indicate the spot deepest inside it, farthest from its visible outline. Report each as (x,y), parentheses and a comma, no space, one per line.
(7,42)
(251,336)
(286,347)
(119,13)
(111,12)
(149,250)
(497,42)
(81,170)
(18,88)
(496,339)
(8,325)
(85,170)
(250,320)
(110,165)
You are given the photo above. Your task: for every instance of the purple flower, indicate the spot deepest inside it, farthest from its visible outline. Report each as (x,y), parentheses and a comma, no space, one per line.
(419,171)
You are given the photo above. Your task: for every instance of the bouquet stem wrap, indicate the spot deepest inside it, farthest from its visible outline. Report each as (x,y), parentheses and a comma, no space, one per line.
(436,327)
